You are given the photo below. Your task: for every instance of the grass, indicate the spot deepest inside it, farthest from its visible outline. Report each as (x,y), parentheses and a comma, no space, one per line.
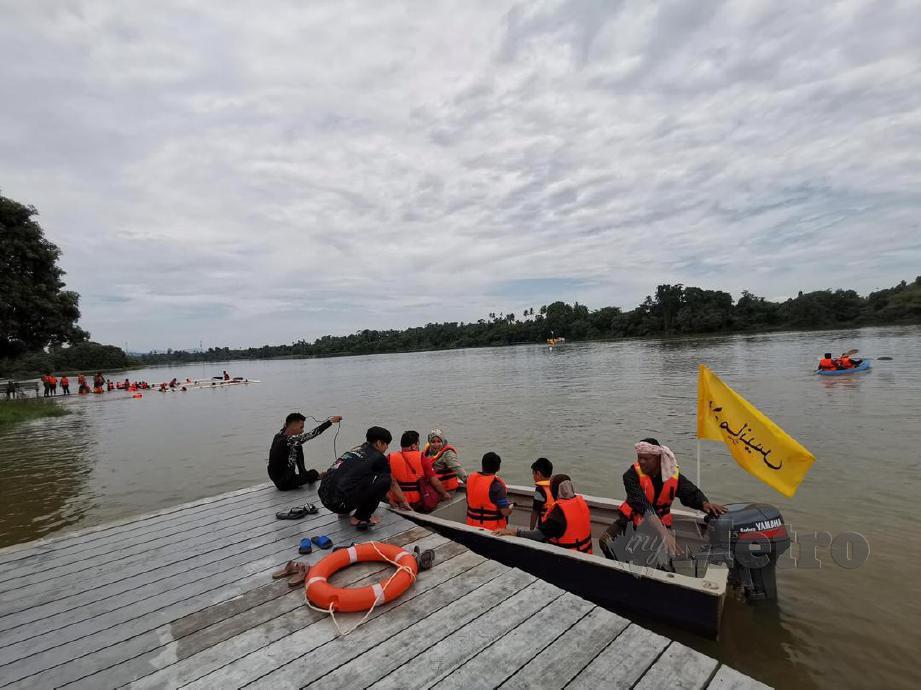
(16,411)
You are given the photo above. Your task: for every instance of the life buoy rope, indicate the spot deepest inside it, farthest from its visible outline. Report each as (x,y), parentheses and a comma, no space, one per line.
(328,599)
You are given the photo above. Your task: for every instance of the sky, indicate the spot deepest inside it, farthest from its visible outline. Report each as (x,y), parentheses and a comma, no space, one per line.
(249,173)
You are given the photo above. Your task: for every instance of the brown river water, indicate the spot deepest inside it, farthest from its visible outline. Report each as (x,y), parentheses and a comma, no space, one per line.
(582,405)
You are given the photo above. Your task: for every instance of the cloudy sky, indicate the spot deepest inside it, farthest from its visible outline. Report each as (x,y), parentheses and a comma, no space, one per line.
(257,172)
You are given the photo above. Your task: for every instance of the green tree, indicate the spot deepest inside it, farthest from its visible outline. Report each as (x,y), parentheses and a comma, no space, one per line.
(35,309)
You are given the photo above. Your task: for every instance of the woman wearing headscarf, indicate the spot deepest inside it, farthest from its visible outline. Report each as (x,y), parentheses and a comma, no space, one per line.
(444,460)
(568,524)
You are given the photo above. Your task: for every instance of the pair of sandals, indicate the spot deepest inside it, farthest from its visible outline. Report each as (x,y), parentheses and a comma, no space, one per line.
(297,512)
(293,570)
(306,545)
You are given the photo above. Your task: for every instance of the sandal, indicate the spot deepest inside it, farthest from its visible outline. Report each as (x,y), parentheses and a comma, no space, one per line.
(311,509)
(287,571)
(363,526)
(322,541)
(295,513)
(425,559)
(299,576)
(305,546)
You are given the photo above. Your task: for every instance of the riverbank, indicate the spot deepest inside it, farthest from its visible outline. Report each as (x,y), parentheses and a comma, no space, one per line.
(17,411)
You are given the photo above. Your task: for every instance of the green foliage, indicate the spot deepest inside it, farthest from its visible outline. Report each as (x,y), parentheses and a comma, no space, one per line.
(15,411)
(35,310)
(675,310)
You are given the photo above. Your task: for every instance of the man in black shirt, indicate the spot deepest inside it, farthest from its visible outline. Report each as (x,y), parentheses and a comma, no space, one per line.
(644,484)
(360,479)
(286,457)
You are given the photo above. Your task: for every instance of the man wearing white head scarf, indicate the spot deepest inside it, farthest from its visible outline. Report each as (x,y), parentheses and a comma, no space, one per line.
(651,484)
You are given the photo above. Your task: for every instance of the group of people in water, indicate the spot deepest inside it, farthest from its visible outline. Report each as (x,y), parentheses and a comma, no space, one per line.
(419,478)
(828,363)
(101,384)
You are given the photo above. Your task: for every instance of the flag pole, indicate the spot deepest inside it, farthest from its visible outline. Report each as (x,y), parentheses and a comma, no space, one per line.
(698,463)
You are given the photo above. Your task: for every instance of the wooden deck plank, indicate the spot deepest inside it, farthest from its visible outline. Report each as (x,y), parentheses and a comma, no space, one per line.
(729,679)
(118,527)
(402,642)
(679,667)
(623,662)
(432,664)
(183,597)
(502,659)
(136,583)
(194,646)
(85,556)
(236,575)
(314,651)
(55,591)
(578,646)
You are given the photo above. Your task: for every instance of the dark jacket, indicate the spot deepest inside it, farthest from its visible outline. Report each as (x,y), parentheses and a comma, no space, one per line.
(355,470)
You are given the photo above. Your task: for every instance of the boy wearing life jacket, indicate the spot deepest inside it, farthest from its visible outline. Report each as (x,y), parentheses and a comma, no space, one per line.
(827,363)
(487,498)
(542,470)
(568,524)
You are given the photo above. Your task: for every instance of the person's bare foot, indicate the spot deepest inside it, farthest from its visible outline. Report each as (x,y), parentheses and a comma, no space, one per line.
(375,520)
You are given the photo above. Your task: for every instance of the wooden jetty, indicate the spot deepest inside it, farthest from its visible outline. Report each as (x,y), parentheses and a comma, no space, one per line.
(183,598)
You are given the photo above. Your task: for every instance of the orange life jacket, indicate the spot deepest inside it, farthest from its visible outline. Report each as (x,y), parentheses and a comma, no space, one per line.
(482,512)
(662,505)
(447,477)
(544,487)
(406,469)
(826,363)
(53,380)
(578,534)
(846,362)
(81,379)
(65,381)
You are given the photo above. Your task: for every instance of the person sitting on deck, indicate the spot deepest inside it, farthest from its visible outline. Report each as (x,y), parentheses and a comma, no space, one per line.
(568,523)
(651,484)
(410,470)
(542,470)
(827,363)
(286,456)
(359,480)
(487,498)
(444,459)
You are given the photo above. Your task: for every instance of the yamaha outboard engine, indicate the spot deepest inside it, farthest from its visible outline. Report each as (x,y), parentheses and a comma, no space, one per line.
(749,538)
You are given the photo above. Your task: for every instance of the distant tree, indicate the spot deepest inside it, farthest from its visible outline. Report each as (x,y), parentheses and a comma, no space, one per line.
(35,309)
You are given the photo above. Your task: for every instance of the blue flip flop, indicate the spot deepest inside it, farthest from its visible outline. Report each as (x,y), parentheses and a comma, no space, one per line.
(305,546)
(322,541)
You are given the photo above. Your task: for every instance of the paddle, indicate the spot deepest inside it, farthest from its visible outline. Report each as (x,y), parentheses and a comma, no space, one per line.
(851,353)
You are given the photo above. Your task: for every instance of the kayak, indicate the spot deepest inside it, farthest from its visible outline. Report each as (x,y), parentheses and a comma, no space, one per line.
(863,366)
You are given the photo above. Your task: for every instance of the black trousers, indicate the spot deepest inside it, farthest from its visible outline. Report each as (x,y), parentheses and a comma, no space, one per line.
(363,499)
(291,478)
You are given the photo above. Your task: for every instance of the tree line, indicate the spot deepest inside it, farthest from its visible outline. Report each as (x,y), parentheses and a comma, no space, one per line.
(673,310)
(39,332)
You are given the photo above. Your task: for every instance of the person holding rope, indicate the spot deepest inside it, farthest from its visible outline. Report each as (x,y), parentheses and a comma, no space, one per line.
(286,456)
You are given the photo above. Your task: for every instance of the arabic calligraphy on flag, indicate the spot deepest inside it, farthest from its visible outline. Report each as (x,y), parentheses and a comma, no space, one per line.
(756,443)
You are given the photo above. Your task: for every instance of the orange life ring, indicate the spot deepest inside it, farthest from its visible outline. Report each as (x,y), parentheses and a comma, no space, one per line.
(323,595)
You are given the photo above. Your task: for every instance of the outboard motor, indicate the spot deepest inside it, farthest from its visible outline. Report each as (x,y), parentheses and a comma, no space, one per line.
(749,538)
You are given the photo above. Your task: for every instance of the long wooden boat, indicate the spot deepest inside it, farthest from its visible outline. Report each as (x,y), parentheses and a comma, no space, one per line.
(691,597)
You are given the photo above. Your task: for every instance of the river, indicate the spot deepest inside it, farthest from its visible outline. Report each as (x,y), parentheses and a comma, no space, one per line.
(582,405)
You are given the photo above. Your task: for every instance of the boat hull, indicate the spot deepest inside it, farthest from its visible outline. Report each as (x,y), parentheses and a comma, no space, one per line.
(692,603)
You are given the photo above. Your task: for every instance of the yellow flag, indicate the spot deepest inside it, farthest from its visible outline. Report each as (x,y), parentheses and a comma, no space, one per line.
(761,447)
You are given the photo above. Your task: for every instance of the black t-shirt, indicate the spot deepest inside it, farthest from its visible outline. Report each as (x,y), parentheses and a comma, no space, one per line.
(356,468)
(287,452)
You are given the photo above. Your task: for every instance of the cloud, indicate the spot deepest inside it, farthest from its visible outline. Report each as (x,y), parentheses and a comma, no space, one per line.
(246,175)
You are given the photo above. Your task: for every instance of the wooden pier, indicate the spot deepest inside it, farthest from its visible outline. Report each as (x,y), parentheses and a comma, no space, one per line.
(184,598)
